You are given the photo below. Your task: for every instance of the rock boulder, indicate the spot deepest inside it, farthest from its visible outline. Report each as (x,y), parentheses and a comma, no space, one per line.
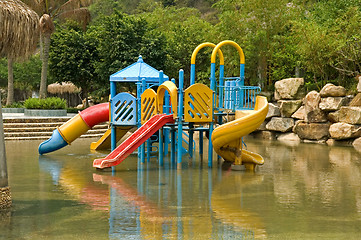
(291,88)
(342,130)
(273,111)
(280,124)
(313,131)
(351,115)
(332,103)
(330,90)
(288,107)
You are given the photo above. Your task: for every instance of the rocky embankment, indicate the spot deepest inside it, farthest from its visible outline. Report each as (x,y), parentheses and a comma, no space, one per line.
(329,116)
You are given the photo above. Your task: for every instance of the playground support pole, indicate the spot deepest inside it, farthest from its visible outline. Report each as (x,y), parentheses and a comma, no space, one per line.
(190,139)
(213,86)
(160,149)
(5,196)
(180,119)
(201,143)
(172,153)
(142,154)
(221,85)
(113,131)
(193,74)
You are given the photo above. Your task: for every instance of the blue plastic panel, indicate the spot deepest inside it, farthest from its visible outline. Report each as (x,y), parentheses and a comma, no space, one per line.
(123,110)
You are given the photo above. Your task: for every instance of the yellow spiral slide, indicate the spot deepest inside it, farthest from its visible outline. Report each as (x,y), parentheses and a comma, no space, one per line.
(227,138)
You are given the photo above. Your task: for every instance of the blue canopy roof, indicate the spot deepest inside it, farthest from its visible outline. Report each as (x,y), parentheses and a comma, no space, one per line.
(136,72)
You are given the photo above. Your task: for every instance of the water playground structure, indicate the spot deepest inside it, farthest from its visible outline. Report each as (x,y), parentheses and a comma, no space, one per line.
(171,112)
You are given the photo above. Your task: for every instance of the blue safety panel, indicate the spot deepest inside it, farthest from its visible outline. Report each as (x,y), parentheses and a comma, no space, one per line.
(123,109)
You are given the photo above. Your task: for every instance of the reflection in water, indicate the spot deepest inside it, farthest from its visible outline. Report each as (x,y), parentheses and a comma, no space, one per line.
(227,204)
(301,192)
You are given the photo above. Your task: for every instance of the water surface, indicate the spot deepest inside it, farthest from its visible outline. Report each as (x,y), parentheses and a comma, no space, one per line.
(301,192)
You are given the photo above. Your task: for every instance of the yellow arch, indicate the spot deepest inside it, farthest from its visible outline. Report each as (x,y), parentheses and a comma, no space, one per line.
(228,42)
(206,44)
(173,92)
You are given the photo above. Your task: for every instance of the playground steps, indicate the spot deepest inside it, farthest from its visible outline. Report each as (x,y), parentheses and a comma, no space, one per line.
(42,128)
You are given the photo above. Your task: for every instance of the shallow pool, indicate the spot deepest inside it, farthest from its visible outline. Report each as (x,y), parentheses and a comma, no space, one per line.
(302,192)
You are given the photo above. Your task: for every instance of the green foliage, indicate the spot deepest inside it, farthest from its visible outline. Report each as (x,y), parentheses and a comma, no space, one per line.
(26,74)
(45,103)
(184,30)
(317,40)
(262,29)
(119,39)
(15,105)
(72,57)
(328,40)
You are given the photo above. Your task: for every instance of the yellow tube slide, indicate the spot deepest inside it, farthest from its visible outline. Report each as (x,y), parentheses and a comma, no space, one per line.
(227,141)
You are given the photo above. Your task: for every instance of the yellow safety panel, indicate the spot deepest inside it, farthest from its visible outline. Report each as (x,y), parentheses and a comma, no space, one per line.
(73,128)
(148,105)
(173,92)
(198,100)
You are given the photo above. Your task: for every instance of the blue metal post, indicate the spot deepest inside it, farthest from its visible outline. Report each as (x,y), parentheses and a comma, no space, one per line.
(180,119)
(166,131)
(143,145)
(193,74)
(201,143)
(190,139)
(241,84)
(139,93)
(213,87)
(172,151)
(232,94)
(113,132)
(160,150)
(242,74)
(221,86)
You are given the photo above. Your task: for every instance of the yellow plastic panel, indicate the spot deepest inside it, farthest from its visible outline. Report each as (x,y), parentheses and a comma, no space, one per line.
(198,103)
(73,128)
(148,105)
(173,92)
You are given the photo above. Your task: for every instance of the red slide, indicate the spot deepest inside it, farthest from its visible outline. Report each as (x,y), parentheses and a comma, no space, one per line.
(134,141)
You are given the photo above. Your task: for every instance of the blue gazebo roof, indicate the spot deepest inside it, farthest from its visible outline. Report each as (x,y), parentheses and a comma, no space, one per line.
(136,72)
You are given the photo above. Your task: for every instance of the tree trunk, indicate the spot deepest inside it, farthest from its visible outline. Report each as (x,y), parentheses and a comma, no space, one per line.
(3,168)
(10,98)
(44,68)
(262,71)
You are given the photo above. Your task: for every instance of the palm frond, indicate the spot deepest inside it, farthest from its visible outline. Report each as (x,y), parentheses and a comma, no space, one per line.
(19,29)
(71,5)
(81,15)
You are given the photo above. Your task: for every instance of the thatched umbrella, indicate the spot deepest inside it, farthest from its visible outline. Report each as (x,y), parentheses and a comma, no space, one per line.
(19,34)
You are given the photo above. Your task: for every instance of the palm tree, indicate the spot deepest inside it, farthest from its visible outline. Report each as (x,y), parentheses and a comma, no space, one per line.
(19,31)
(50,10)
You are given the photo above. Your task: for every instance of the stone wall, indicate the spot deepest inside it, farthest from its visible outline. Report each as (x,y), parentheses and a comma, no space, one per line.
(329,116)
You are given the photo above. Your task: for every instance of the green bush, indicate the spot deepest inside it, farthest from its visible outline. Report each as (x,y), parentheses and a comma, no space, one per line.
(46,103)
(14,105)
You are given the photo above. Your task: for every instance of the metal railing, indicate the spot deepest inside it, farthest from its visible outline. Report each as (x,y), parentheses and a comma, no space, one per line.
(237,97)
